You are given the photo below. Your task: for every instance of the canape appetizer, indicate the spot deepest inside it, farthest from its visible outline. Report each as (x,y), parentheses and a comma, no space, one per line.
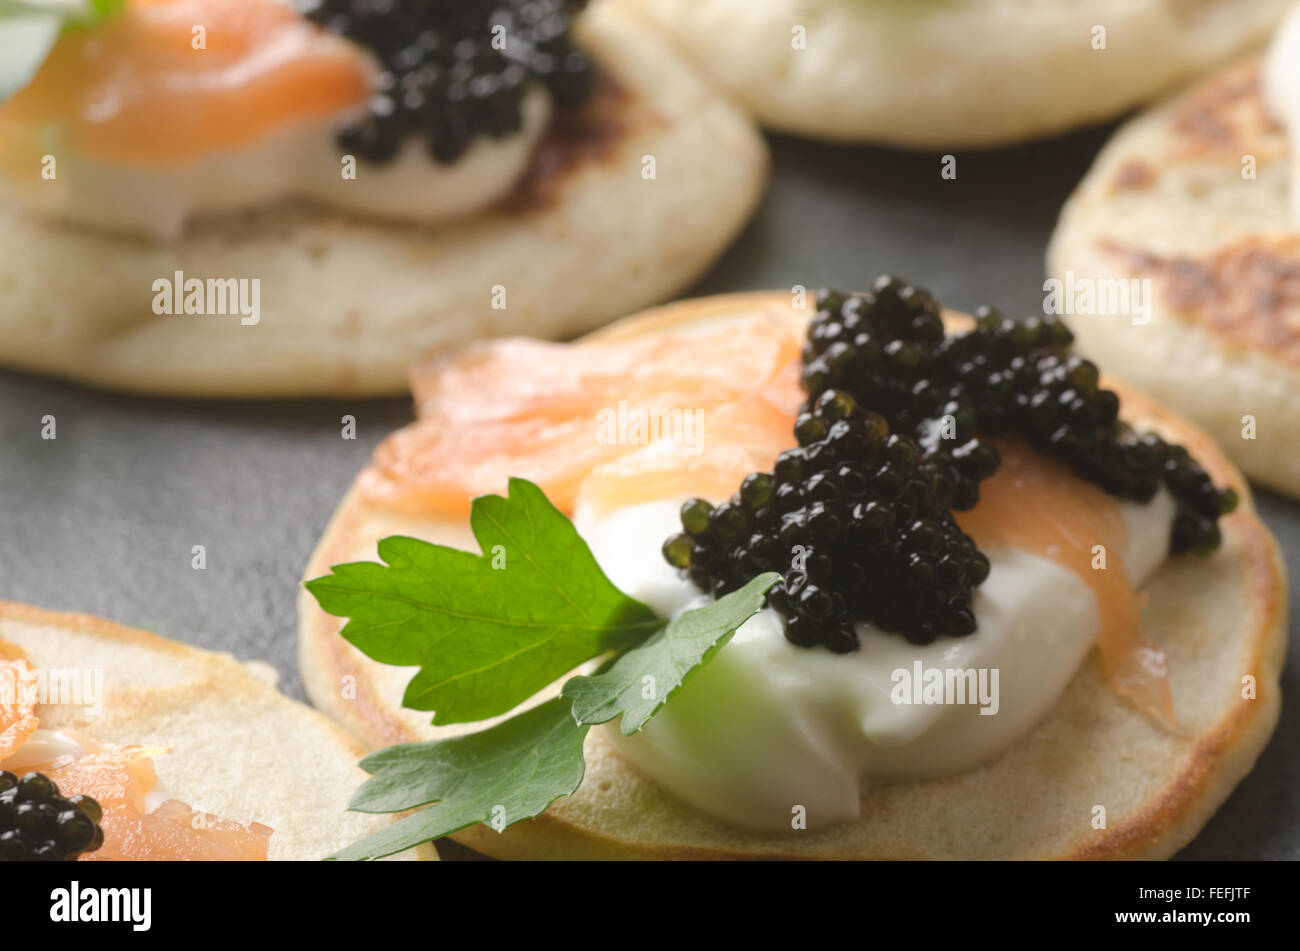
(845,606)
(239,198)
(116,744)
(1180,251)
(964,73)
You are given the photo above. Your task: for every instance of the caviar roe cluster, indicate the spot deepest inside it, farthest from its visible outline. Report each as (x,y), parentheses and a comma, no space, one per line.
(858,522)
(37,824)
(454,70)
(892,440)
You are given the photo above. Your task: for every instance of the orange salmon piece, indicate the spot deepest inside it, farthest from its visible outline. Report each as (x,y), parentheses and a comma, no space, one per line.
(652,475)
(174,831)
(735,440)
(516,377)
(18,696)
(1038,505)
(134,89)
(552,413)
(119,778)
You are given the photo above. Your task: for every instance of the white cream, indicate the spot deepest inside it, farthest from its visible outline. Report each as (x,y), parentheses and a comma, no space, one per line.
(768,726)
(1280,82)
(44,746)
(299,161)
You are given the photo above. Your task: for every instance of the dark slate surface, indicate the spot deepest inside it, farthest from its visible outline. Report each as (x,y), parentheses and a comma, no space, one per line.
(104,518)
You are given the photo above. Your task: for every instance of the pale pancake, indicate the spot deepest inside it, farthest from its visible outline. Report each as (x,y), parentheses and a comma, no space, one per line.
(1167,201)
(240,749)
(347,305)
(1218,619)
(922,73)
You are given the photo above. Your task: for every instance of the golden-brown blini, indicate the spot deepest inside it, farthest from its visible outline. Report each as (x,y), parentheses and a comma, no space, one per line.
(346,304)
(1218,619)
(963,73)
(239,748)
(1192,198)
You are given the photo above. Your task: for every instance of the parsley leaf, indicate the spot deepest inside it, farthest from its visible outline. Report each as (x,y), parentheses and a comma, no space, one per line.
(500,775)
(487,631)
(517,768)
(25,40)
(640,681)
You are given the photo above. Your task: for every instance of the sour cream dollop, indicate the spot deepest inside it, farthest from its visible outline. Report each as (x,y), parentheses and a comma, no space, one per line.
(767,726)
(298,161)
(45,746)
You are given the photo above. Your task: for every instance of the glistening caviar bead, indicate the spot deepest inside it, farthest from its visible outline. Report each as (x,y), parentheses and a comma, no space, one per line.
(38,824)
(454,70)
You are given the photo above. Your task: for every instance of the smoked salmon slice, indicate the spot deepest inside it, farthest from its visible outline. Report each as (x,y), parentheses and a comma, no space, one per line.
(120,778)
(18,696)
(552,413)
(140,89)
(517,377)
(1036,504)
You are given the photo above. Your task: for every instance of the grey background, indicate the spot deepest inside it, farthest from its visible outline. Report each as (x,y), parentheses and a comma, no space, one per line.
(103,519)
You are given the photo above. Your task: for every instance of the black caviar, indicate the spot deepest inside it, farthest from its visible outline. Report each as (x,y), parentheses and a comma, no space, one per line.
(454,70)
(38,824)
(858,522)
(892,440)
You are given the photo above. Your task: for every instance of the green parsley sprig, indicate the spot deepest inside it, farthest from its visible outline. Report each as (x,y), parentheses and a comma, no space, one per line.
(490,631)
(30,28)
